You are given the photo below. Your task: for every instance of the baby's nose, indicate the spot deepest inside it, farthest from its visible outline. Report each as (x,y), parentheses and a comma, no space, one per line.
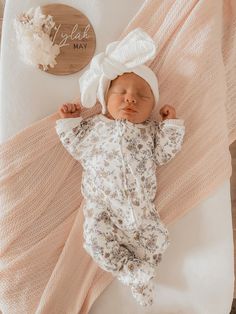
(130,99)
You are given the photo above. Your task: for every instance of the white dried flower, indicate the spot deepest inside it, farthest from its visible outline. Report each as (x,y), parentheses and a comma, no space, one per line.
(33,34)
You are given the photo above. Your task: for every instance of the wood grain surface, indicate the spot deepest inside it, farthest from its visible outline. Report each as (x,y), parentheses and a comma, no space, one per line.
(74,34)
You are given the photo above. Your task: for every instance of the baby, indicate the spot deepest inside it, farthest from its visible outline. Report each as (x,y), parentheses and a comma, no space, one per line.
(119,150)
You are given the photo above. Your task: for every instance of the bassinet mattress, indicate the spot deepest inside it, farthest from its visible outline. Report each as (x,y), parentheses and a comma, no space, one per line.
(197,272)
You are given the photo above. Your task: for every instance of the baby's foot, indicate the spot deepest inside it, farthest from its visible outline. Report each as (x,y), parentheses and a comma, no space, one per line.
(136,271)
(143,293)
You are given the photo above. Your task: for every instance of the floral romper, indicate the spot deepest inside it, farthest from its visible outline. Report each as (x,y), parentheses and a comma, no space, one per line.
(123,232)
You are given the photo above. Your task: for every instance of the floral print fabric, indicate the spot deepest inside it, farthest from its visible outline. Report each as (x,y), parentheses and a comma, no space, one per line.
(122,230)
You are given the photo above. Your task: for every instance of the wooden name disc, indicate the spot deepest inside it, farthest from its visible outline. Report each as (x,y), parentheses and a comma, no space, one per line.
(75,36)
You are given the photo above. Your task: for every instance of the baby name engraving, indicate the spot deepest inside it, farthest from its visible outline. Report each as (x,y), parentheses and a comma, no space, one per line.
(74,34)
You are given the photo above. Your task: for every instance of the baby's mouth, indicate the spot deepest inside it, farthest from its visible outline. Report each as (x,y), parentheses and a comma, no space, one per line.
(128,109)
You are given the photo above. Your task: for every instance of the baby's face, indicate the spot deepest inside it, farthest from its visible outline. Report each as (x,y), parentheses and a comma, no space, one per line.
(129,97)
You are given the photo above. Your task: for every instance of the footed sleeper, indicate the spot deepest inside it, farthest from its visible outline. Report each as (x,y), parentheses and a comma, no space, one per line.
(123,232)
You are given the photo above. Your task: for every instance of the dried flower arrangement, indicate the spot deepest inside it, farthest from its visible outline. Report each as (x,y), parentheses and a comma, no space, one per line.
(33,34)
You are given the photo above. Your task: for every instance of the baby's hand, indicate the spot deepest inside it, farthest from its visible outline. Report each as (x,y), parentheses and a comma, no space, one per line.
(167,112)
(70,110)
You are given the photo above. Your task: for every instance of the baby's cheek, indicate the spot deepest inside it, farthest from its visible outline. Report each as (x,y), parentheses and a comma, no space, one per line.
(113,104)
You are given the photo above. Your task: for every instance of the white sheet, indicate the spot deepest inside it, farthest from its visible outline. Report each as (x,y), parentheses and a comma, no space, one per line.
(197,272)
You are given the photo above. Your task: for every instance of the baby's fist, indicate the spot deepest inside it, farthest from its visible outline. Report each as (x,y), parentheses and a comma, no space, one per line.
(167,112)
(70,110)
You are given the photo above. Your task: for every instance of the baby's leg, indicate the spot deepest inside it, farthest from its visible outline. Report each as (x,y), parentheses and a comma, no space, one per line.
(106,244)
(102,239)
(149,242)
(152,240)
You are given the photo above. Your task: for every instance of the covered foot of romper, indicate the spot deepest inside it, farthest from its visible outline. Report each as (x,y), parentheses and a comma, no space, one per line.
(143,293)
(136,272)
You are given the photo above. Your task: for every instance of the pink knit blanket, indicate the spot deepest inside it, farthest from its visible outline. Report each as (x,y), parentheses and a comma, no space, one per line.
(43,266)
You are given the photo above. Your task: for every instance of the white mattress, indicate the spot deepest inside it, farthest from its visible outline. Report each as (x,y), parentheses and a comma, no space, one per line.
(197,272)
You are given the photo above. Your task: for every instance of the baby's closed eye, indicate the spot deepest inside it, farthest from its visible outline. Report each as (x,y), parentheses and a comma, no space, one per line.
(144,96)
(118,91)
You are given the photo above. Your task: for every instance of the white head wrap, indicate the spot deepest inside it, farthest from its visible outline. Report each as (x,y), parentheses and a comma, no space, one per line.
(127,55)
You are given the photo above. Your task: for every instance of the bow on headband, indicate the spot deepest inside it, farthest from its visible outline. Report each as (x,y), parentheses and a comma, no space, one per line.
(127,55)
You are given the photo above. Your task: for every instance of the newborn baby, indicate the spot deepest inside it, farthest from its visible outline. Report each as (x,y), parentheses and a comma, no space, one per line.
(119,150)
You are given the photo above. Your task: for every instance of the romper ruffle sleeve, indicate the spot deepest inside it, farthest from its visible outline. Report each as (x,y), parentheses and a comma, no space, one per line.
(72,132)
(168,139)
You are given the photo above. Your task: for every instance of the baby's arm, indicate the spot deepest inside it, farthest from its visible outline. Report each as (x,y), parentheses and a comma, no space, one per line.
(168,139)
(72,128)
